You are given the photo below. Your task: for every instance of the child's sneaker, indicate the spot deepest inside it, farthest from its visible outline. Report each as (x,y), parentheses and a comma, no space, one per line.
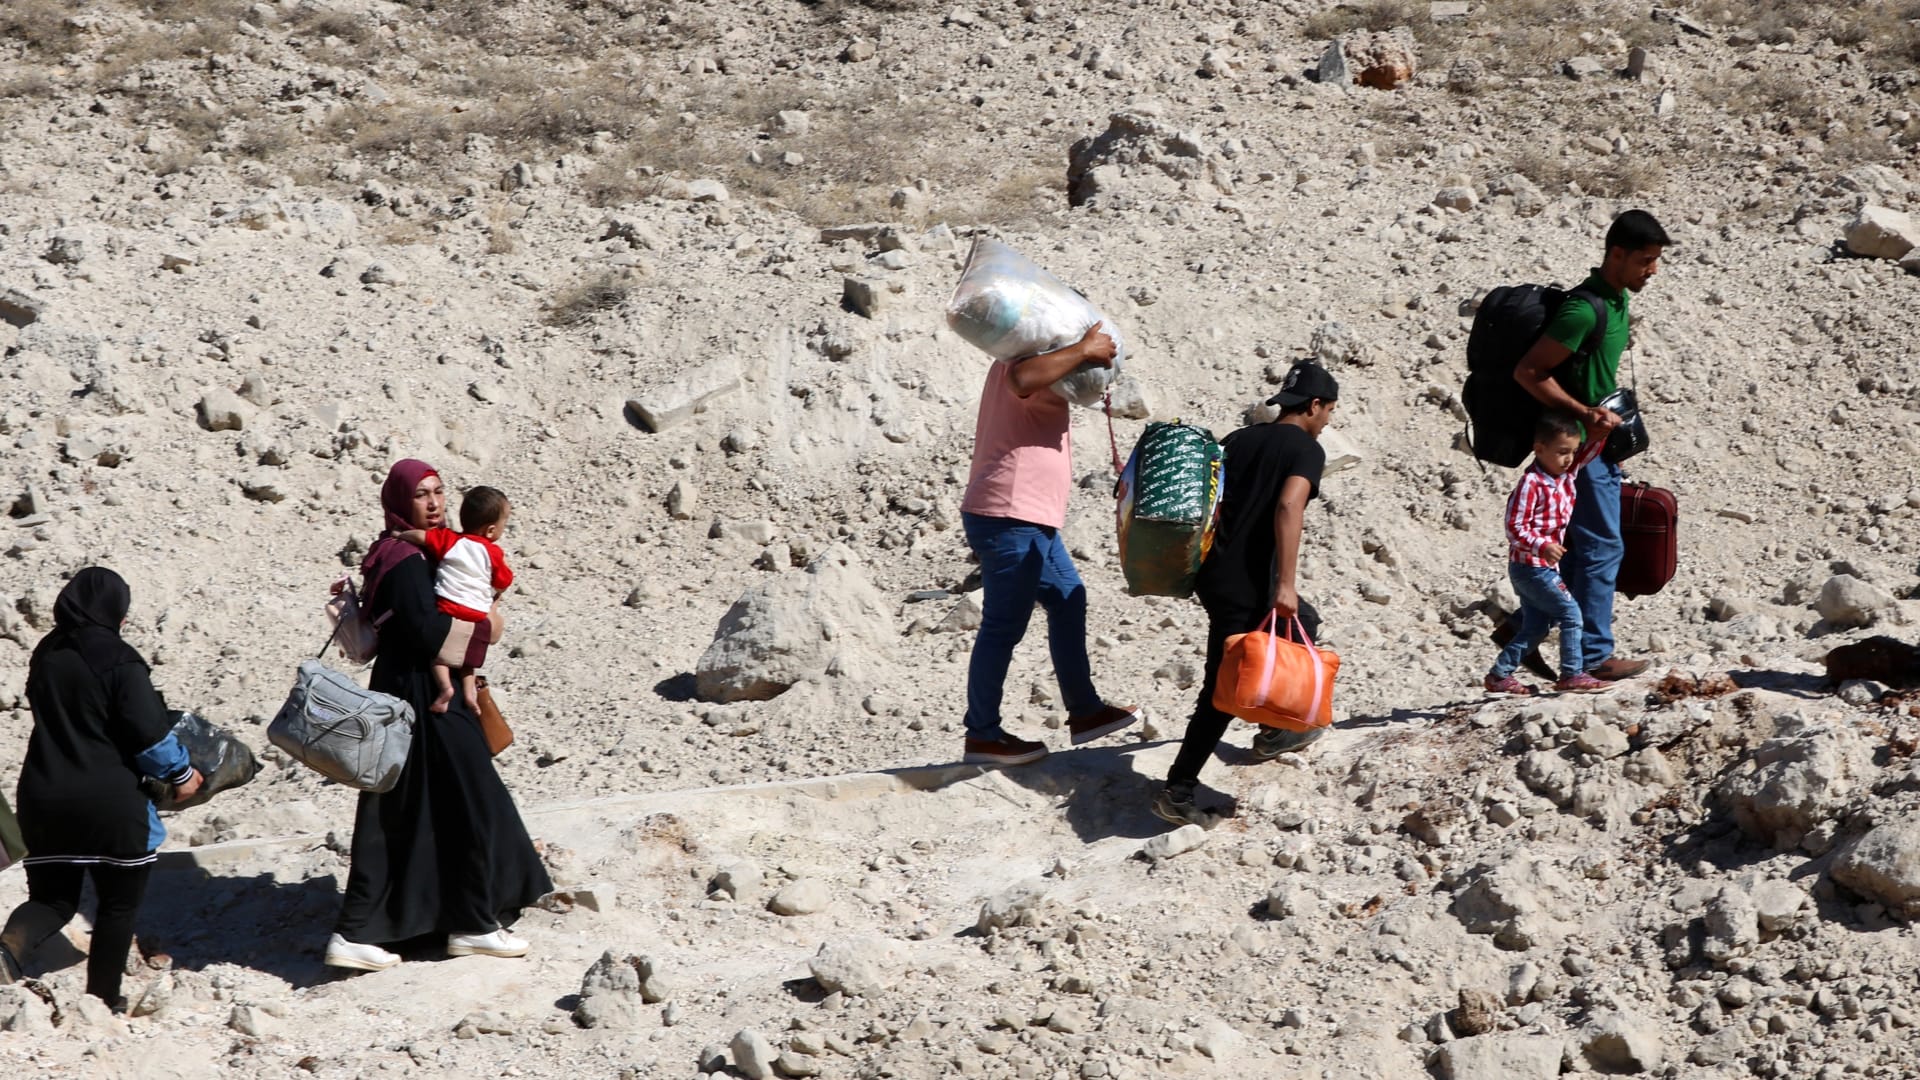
(1580,683)
(1507,685)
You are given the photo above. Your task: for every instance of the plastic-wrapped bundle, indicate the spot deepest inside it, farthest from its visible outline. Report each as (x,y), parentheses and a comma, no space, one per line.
(224,761)
(1010,308)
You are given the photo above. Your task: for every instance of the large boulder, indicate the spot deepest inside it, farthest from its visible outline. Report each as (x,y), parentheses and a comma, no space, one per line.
(1880,233)
(1793,783)
(1847,601)
(863,967)
(615,989)
(1620,1042)
(1509,1057)
(1383,61)
(1142,156)
(794,627)
(1884,865)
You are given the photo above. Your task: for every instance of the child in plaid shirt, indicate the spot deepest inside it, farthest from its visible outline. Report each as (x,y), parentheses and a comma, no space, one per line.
(1537,515)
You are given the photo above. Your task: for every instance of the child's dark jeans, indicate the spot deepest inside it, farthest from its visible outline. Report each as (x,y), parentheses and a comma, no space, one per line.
(1544,604)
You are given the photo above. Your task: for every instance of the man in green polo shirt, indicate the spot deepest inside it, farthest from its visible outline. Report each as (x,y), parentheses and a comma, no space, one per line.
(1566,371)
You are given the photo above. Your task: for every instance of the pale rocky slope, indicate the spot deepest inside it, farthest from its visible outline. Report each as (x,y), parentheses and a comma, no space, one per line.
(368,231)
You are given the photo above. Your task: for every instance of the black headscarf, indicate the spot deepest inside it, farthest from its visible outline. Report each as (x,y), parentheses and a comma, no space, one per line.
(87,617)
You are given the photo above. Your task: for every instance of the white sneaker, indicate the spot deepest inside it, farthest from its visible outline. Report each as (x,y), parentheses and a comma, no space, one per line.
(492,943)
(342,953)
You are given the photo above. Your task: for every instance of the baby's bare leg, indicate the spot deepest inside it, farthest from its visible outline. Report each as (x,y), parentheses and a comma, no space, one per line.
(442,681)
(470,689)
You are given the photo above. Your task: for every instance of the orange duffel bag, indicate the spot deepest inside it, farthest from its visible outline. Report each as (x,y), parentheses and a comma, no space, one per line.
(1268,679)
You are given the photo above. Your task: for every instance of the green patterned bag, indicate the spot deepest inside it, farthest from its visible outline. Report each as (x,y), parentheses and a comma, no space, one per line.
(1169,496)
(13,846)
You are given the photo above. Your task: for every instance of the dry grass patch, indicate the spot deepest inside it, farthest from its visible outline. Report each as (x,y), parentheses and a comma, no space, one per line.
(581,303)
(1373,15)
(43,26)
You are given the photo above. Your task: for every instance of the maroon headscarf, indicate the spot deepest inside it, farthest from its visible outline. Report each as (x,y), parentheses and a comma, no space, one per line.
(396,498)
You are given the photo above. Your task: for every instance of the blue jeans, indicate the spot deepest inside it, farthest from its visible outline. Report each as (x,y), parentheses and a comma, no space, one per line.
(1594,551)
(1544,604)
(1021,565)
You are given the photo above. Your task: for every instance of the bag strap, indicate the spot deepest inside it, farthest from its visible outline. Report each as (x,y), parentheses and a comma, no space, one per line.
(1113,443)
(1319,670)
(1272,658)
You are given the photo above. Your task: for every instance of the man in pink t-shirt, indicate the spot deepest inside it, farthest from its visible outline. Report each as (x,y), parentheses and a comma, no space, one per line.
(1015,506)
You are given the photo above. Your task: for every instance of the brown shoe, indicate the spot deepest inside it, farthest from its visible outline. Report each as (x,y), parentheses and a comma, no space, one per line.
(1003,751)
(1109,719)
(1614,669)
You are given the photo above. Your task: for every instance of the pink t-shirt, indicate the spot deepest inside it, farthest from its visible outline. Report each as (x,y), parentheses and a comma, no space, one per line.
(1022,454)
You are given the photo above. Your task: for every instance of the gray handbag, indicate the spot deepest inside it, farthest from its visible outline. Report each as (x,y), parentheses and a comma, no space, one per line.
(343,731)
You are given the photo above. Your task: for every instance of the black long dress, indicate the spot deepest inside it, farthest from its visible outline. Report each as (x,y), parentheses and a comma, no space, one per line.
(445,851)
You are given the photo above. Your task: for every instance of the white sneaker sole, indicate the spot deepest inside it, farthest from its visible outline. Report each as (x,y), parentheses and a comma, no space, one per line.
(354,963)
(476,950)
(973,757)
(1106,729)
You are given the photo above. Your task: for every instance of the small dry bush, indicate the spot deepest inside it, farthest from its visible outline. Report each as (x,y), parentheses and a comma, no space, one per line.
(41,25)
(1373,15)
(579,304)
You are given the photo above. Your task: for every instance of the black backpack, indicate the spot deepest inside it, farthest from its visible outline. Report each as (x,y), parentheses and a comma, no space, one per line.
(1500,412)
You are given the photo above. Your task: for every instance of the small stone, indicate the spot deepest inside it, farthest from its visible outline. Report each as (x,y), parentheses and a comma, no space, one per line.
(382,273)
(863,296)
(1478,1013)
(1584,68)
(1601,739)
(248,1020)
(862,967)
(683,500)
(1456,198)
(857,51)
(221,410)
(796,1065)
(802,897)
(753,1055)
(707,191)
(791,122)
(739,878)
(1178,842)
(1637,58)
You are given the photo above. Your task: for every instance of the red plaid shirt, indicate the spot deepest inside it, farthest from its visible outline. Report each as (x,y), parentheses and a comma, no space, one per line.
(1540,507)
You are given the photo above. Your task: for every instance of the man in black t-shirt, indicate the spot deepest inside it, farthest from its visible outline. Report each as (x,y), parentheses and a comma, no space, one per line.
(1273,470)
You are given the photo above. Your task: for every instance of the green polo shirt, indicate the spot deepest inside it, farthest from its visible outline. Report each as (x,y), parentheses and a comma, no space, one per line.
(1591,378)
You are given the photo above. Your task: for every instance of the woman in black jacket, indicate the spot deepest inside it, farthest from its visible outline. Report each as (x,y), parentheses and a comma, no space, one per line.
(98,727)
(444,852)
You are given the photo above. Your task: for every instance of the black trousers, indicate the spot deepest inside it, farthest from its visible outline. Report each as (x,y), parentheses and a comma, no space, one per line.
(1226,616)
(53,896)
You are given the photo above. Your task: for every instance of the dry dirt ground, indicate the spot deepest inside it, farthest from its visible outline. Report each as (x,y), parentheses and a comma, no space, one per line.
(252,254)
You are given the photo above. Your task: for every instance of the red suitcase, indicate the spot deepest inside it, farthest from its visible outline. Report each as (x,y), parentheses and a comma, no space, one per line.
(1649,524)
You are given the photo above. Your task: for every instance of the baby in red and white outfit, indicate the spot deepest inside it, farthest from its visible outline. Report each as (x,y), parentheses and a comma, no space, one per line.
(472,573)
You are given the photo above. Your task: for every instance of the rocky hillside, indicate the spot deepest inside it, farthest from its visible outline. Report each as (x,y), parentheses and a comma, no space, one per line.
(672,275)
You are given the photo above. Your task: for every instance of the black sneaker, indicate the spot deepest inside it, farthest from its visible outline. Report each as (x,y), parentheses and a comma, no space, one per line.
(1178,808)
(1005,750)
(1271,742)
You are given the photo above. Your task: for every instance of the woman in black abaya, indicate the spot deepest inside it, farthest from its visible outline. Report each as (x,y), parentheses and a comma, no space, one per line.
(98,727)
(444,852)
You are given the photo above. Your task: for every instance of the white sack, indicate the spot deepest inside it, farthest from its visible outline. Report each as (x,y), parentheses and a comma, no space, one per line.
(1010,308)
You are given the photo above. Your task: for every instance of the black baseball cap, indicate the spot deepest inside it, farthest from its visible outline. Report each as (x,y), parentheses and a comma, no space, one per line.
(1305,382)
